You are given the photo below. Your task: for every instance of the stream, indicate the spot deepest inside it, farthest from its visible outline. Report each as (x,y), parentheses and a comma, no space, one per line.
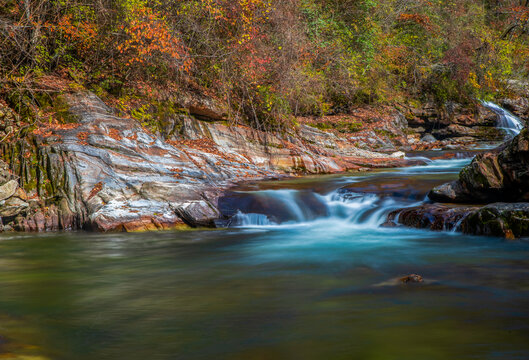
(303,272)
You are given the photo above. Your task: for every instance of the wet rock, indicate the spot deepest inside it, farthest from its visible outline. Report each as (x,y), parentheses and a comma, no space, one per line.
(198,213)
(498,175)
(519,106)
(499,219)
(303,205)
(8,189)
(508,220)
(430,216)
(411,279)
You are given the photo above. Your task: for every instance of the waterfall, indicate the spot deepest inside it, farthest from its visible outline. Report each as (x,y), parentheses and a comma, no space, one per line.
(359,203)
(507,121)
(243,220)
(360,209)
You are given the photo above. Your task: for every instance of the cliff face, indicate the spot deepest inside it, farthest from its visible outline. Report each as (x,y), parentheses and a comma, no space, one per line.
(104,172)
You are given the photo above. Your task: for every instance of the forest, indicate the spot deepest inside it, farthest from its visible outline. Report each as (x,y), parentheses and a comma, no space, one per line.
(266,61)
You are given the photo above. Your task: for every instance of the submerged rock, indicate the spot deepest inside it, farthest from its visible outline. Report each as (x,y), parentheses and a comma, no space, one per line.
(412,278)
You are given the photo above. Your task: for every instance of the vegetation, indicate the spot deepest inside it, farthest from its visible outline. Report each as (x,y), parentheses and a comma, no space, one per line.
(267,60)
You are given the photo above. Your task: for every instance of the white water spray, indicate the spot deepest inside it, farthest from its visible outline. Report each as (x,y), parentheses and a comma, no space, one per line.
(507,121)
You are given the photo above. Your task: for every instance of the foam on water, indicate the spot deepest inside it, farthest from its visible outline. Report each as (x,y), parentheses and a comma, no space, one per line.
(349,209)
(437,166)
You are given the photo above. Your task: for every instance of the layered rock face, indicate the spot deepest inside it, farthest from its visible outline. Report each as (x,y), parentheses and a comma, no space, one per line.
(455,122)
(108,173)
(498,175)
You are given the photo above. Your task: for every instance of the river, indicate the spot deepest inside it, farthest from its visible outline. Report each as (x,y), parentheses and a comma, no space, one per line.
(305,272)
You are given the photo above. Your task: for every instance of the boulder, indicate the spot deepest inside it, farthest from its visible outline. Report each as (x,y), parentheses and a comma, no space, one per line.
(498,175)
(499,219)
(508,220)
(430,216)
(198,213)
(428,138)
(12,207)
(8,189)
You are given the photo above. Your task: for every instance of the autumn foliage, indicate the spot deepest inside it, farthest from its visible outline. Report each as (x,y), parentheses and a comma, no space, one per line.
(268,61)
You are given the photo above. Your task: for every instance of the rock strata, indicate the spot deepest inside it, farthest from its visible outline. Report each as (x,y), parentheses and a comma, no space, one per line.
(108,173)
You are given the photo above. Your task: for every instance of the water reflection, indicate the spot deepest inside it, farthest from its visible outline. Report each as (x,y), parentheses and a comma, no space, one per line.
(298,290)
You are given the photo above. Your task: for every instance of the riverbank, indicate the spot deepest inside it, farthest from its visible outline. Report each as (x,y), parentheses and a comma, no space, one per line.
(99,171)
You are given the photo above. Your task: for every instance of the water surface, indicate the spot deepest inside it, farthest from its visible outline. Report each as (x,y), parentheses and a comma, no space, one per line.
(307,278)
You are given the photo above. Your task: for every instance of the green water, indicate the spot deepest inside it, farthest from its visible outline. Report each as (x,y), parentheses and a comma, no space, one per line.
(301,290)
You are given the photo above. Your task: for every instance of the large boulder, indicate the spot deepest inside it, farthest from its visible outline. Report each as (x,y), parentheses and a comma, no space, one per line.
(498,175)
(499,219)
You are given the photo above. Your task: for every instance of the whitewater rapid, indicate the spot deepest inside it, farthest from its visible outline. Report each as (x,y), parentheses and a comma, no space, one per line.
(343,206)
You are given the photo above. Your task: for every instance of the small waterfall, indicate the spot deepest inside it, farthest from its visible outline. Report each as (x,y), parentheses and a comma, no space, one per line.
(362,203)
(507,121)
(289,207)
(243,220)
(289,198)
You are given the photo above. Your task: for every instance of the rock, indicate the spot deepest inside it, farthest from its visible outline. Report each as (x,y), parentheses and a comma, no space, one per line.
(398,155)
(519,106)
(508,220)
(410,279)
(419,129)
(428,138)
(499,219)
(198,213)
(203,107)
(8,189)
(21,194)
(450,192)
(498,175)
(454,130)
(12,207)
(430,216)
(400,122)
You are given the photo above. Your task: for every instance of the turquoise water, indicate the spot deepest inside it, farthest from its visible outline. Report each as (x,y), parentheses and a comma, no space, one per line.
(313,282)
